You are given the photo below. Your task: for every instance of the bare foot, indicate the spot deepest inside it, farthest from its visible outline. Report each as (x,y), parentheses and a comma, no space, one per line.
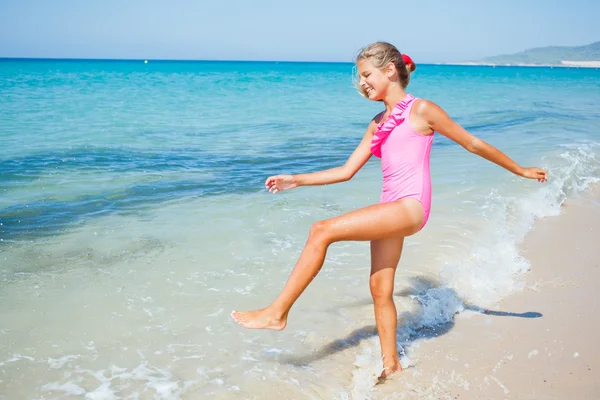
(388,371)
(259,319)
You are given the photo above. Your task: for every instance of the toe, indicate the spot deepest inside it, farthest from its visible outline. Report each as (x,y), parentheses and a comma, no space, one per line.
(238,317)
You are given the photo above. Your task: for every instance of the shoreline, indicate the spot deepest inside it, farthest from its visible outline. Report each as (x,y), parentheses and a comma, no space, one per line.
(539,343)
(565,64)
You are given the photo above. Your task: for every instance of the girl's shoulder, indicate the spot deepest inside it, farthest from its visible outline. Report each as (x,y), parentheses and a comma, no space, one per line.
(423,108)
(377,119)
(423,104)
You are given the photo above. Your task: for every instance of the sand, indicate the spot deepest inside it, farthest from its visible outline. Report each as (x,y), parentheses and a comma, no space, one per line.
(583,64)
(564,63)
(540,343)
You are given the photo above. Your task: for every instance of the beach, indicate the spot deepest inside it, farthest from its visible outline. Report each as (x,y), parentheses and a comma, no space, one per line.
(134,219)
(540,343)
(582,64)
(563,63)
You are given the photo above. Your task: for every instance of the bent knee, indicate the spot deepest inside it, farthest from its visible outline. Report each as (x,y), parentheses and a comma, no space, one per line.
(319,231)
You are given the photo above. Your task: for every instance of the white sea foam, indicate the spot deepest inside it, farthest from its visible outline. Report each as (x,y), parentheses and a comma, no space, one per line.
(493,266)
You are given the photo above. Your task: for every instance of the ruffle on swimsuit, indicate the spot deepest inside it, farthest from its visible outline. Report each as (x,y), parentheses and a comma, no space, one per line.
(391,122)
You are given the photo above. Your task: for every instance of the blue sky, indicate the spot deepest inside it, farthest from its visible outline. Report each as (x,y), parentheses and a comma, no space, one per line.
(309,30)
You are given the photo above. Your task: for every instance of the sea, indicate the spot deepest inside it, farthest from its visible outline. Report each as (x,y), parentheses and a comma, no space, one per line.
(134,219)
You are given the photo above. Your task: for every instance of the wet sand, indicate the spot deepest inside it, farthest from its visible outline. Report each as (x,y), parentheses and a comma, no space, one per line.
(540,343)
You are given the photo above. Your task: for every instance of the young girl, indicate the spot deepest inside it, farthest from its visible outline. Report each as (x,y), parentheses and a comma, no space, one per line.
(401,136)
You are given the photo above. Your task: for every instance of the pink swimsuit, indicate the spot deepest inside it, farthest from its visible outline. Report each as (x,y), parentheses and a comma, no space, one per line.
(404,157)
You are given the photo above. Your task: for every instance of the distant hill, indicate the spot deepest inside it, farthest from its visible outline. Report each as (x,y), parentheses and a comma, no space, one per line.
(552,55)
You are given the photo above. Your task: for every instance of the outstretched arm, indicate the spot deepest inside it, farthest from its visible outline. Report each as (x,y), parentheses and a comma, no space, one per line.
(357,159)
(439,121)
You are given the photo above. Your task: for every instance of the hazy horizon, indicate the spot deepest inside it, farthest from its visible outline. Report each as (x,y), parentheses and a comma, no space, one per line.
(311,31)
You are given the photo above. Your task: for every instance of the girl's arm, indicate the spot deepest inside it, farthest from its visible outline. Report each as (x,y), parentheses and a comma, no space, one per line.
(439,121)
(355,162)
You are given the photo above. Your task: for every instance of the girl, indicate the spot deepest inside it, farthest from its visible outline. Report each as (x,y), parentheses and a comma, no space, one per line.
(401,136)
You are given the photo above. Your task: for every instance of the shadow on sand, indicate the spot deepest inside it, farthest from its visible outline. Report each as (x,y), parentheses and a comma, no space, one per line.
(408,323)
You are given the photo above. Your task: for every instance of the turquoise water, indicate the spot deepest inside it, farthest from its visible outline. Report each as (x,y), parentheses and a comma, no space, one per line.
(133,217)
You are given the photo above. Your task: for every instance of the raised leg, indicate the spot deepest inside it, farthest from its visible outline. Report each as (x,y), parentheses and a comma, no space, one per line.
(396,219)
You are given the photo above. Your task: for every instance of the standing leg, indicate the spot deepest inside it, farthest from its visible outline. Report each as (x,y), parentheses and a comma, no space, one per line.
(396,219)
(385,254)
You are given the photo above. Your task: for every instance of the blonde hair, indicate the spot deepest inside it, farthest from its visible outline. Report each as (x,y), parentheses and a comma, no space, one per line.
(380,54)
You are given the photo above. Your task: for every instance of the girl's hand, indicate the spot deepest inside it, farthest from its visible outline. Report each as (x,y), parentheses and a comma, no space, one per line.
(279,183)
(535,173)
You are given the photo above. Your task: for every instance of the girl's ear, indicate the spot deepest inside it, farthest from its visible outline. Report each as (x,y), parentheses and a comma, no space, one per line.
(390,69)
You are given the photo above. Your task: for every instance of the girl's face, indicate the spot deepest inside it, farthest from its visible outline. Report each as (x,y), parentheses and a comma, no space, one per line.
(373,80)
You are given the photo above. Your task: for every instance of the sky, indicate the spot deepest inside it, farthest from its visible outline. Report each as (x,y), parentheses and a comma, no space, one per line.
(300,30)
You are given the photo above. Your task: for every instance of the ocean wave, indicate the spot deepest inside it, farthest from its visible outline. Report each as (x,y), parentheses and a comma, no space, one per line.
(494,266)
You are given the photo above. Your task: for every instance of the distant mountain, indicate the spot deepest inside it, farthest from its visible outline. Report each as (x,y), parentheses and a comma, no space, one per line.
(552,55)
